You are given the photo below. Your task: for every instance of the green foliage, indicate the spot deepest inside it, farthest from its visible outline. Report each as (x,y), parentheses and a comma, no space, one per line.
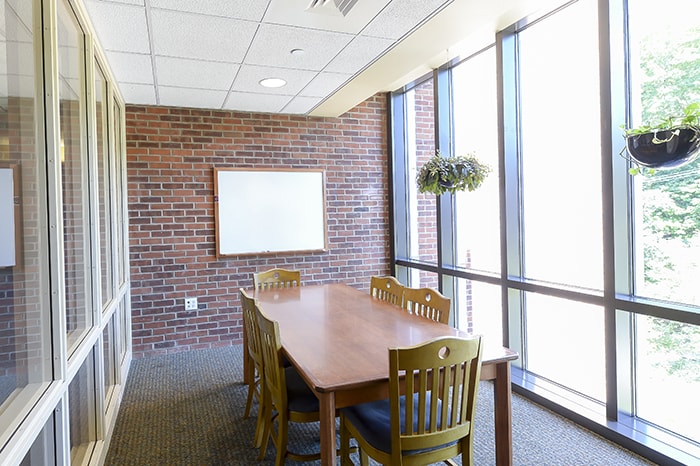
(680,339)
(451,174)
(689,118)
(669,75)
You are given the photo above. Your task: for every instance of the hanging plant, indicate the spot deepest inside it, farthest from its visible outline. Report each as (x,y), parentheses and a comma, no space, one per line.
(451,174)
(672,143)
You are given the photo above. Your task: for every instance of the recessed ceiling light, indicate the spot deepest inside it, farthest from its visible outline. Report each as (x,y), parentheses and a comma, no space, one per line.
(273,82)
(297,51)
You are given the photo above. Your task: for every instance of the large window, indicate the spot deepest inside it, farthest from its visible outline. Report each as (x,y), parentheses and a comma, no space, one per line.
(58,196)
(25,327)
(666,249)
(104,175)
(562,230)
(562,240)
(587,271)
(477,230)
(420,143)
(475,130)
(74,171)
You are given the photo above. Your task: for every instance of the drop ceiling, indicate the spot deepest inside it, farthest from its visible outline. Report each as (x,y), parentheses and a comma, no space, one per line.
(214,53)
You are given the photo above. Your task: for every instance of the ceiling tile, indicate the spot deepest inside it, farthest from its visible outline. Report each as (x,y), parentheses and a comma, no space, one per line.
(131,67)
(130,2)
(197,74)
(249,76)
(273,44)
(324,84)
(295,13)
(122,27)
(301,105)
(400,17)
(358,54)
(198,98)
(252,10)
(138,93)
(256,102)
(189,35)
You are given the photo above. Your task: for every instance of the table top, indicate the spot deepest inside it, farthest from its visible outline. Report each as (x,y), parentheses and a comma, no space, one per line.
(338,336)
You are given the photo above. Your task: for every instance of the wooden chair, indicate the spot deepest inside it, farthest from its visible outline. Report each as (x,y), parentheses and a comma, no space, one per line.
(276,278)
(428,303)
(255,380)
(387,289)
(445,377)
(286,393)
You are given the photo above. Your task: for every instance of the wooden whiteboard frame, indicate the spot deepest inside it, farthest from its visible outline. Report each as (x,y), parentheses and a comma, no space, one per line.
(267,211)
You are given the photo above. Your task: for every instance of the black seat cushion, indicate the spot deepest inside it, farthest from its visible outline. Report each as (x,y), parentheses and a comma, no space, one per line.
(299,396)
(373,421)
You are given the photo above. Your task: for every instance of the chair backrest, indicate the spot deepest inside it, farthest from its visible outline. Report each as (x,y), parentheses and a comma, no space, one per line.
(387,289)
(252,331)
(445,369)
(276,278)
(273,369)
(428,303)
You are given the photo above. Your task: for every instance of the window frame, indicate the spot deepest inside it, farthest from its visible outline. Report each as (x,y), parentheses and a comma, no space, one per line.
(616,418)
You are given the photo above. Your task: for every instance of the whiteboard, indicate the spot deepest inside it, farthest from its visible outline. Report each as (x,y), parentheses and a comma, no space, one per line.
(7,218)
(266,211)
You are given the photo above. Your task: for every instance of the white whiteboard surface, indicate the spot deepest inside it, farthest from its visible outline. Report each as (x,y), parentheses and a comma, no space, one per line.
(267,211)
(7,218)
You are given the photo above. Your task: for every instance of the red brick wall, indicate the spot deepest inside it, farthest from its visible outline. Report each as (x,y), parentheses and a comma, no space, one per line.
(171,153)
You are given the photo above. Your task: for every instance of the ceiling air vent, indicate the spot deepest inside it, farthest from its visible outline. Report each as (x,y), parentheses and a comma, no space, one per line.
(331,7)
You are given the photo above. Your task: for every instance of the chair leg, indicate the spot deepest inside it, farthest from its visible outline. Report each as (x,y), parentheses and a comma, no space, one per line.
(260,424)
(344,442)
(364,458)
(281,444)
(267,420)
(249,402)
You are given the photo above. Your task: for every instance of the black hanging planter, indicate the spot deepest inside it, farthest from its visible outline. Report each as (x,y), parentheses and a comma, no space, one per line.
(664,149)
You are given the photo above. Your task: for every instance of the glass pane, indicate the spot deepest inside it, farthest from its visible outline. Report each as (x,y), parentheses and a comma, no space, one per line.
(476,130)
(668,374)
(422,279)
(422,208)
(74,174)
(479,310)
(565,343)
(103,185)
(120,160)
(25,327)
(81,395)
(667,228)
(42,451)
(560,129)
(124,329)
(108,354)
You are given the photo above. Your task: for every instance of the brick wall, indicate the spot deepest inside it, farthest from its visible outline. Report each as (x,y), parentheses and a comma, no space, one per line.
(171,153)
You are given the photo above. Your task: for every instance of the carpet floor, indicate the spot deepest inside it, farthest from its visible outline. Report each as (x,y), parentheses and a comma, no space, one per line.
(187,409)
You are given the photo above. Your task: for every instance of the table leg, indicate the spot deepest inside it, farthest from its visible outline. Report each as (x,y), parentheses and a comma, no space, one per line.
(327,425)
(503,415)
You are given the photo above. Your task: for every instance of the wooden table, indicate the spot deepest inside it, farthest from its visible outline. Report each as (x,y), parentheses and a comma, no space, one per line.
(338,339)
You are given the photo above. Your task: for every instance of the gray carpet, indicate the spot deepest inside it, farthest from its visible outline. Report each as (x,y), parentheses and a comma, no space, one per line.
(187,409)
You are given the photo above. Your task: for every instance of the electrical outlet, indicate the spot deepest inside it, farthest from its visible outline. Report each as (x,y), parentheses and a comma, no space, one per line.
(190,304)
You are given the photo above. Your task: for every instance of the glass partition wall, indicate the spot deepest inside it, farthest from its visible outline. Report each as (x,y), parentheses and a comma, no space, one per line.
(64,325)
(585,270)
